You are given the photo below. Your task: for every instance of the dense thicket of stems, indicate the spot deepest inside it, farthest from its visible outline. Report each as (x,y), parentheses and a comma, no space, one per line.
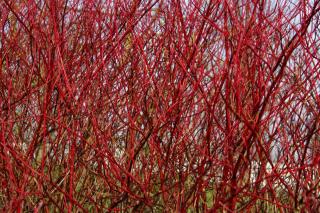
(159,105)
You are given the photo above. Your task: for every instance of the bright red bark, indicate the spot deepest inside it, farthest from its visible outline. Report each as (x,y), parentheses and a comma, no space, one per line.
(159,105)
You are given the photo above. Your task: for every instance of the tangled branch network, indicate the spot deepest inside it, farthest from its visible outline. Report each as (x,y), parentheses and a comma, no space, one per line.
(159,106)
